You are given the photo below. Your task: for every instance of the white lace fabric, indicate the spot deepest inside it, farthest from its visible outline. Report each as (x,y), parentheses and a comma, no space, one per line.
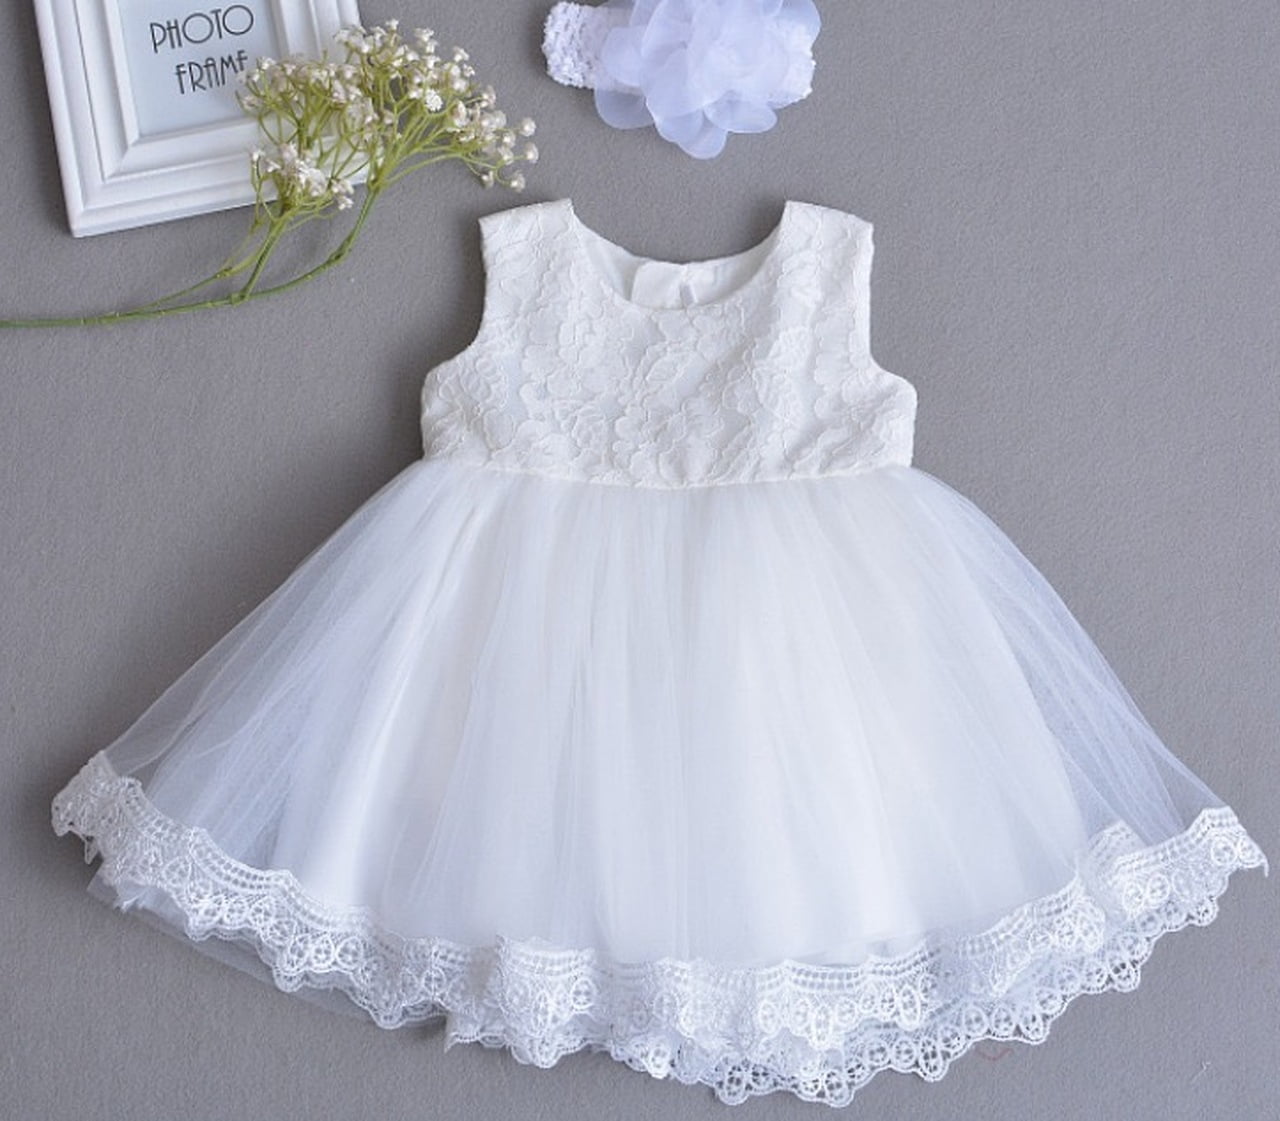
(577,737)
(572,38)
(819,1031)
(572,379)
(698,71)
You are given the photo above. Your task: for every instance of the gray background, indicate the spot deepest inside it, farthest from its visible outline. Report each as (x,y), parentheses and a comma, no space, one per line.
(1078,265)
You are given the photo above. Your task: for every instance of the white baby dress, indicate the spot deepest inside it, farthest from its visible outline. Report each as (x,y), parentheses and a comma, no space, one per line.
(665,709)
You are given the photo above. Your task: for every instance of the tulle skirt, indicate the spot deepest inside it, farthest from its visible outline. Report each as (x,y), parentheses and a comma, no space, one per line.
(763,786)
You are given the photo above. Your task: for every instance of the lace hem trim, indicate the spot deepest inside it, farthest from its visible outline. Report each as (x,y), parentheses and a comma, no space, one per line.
(820,1032)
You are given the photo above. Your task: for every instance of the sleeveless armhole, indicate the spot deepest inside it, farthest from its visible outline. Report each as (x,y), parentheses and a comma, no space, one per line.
(454,367)
(901,413)
(491,255)
(862,304)
(863,257)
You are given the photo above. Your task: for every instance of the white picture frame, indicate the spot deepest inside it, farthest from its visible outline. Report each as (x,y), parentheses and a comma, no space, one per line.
(142,94)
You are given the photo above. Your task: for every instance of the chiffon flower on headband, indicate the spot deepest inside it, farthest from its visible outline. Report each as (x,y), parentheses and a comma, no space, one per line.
(696,70)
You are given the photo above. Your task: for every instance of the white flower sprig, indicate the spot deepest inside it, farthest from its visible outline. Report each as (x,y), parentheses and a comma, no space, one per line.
(383,108)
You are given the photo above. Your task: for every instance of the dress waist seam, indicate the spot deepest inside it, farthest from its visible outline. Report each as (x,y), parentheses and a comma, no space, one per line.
(623,484)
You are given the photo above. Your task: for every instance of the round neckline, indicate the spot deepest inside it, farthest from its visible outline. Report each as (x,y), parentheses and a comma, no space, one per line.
(769,247)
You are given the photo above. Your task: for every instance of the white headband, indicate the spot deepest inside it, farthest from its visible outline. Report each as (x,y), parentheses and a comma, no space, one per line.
(695,69)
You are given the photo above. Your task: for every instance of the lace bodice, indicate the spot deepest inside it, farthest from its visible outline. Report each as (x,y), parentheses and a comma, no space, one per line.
(597,365)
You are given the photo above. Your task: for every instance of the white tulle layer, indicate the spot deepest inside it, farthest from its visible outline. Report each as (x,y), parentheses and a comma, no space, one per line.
(764,786)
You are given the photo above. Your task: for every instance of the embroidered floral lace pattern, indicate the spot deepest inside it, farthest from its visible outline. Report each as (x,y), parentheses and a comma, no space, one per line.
(773,381)
(571,40)
(818,1031)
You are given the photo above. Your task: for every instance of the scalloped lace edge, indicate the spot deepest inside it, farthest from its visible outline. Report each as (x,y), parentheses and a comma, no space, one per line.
(818,1031)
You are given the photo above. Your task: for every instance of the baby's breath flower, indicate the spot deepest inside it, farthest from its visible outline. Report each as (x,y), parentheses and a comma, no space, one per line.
(458,116)
(384,107)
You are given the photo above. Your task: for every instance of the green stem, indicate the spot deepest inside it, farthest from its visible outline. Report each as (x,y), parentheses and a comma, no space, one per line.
(249,291)
(231,268)
(278,227)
